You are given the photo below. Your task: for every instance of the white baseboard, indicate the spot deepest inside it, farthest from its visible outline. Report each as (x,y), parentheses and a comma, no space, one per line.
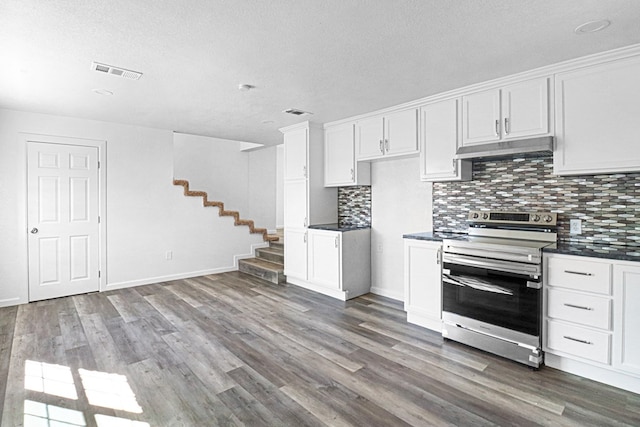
(160,279)
(320,289)
(398,296)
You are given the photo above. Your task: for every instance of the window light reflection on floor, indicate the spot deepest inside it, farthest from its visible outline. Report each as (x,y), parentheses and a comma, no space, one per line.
(51,379)
(37,414)
(109,391)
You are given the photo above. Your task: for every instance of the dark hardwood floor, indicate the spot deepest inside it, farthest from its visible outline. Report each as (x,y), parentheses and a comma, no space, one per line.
(230,349)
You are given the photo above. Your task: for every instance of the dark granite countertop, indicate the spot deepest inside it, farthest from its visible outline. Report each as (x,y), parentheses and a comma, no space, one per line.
(434,236)
(338,227)
(594,250)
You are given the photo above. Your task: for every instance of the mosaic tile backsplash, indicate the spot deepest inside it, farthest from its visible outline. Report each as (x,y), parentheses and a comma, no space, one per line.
(354,206)
(608,205)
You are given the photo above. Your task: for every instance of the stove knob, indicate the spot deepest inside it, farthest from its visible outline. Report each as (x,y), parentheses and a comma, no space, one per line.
(475,215)
(535,218)
(547,218)
(485,215)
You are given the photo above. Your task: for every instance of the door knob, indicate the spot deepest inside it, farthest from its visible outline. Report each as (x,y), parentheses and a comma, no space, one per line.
(34,230)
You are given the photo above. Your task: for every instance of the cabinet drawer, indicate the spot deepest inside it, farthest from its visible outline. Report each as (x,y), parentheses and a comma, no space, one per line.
(581,275)
(581,342)
(587,310)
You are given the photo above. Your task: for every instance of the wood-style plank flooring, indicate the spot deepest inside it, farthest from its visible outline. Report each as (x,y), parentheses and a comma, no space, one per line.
(230,349)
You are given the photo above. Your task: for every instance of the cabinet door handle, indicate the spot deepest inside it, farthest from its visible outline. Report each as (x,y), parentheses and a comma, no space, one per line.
(454,164)
(304,171)
(581,307)
(353,175)
(438,256)
(506,125)
(578,272)
(305,237)
(381,147)
(577,340)
(386,145)
(497,127)
(305,221)
(337,241)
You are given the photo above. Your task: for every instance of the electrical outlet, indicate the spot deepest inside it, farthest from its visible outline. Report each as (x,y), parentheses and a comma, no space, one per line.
(168,256)
(575,226)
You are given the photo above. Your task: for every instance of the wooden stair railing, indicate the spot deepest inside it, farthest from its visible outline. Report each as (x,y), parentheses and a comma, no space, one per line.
(222,212)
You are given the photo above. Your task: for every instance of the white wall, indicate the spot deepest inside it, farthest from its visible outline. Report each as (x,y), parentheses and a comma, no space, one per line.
(245,181)
(400,204)
(262,187)
(146,214)
(214,165)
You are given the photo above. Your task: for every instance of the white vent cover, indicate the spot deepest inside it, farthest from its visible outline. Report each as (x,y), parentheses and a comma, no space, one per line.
(116,71)
(296,112)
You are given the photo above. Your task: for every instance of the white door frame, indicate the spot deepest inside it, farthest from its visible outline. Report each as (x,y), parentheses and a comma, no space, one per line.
(102,189)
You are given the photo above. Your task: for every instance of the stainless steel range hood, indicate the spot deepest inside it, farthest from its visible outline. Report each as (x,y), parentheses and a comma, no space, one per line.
(532,147)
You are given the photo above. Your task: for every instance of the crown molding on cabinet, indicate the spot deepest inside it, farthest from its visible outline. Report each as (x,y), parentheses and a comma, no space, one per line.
(546,71)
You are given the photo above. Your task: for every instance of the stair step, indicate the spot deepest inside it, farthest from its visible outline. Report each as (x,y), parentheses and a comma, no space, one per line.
(267,270)
(279,244)
(271,254)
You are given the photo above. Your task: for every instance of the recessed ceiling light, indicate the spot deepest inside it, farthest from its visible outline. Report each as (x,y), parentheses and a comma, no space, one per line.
(592,26)
(245,87)
(103,92)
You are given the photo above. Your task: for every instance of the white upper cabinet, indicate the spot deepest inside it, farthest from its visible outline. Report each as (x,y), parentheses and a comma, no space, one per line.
(295,154)
(439,140)
(340,166)
(394,134)
(516,111)
(598,119)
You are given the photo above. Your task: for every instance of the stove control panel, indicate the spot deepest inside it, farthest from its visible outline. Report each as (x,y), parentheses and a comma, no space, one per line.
(520,218)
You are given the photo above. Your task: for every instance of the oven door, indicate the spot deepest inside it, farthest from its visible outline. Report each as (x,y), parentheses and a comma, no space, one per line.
(478,289)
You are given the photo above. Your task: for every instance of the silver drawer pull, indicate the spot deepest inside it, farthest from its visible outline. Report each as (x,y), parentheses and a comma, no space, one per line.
(578,272)
(581,307)
(578,340)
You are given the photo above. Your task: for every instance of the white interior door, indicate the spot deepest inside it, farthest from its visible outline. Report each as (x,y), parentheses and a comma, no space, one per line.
(63,220)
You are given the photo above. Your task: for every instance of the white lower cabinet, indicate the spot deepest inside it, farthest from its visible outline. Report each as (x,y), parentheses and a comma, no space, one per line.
(295,253)
(336,263)
(423,283)
(627,318)
(592,315)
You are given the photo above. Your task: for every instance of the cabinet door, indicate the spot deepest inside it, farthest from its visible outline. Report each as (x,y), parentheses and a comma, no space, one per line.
(369,135)
(339,158)
(295,253)
(401,132)
(597,125)
(627,318)
(295,154)
(439,141)
(423,282)
(324,258)
(296,204)
(481,117)
(525,109)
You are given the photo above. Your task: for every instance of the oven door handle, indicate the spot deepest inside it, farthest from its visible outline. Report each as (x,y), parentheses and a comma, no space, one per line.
(506,266)
(480,287)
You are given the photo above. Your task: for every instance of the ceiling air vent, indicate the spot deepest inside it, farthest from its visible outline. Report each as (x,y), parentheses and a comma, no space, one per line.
(116,71)
(296,112)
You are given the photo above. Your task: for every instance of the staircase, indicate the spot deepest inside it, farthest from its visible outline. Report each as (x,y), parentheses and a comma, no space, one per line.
(268,264)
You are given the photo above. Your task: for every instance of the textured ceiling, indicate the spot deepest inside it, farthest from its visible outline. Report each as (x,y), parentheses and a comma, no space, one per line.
(335,58)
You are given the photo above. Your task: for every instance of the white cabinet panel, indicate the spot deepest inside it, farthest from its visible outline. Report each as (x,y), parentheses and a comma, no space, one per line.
(579,273)
(401,132)
(369,138)
(525,109)
(423,283)
(440,138)
(627,318)
(340,166)
(325,259)
(295,204)
(581,342)
(481,117)
(295,253)
(588,310)
(295,154)
(597,125)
